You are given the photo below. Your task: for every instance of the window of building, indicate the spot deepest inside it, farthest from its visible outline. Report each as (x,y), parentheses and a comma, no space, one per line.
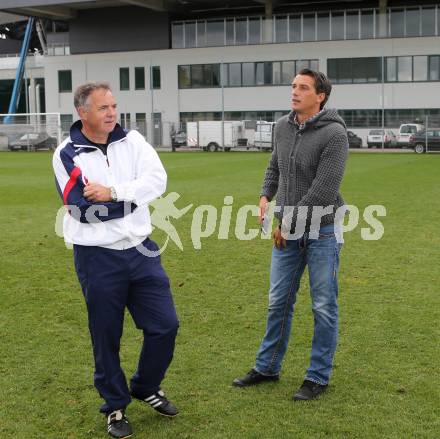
(141,123)
(276,73)
(155,77)
(337,26)
(64,81)
(428,21)
(66,122)
(184,73)
(230,32)
(420,68)
(201,33)
(255,30)
(248,72)
(295,28)
(352,25)
(355,70)
(190,34)
(323,28)
(234,74)
(404,68)
(287,72)
(434,68)
(367,24)
(215,33)
(177,35)
(309,27)
(139,78)
(397,23)
(124,78)
(281,35)
(125,120)
(241,31)
(412,22)
(391,69)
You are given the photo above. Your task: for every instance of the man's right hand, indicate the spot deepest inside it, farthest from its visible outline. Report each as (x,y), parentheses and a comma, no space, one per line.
(278,239)
(264,202)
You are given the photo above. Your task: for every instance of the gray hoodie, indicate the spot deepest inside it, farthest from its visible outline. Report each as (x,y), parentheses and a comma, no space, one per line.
(307,166)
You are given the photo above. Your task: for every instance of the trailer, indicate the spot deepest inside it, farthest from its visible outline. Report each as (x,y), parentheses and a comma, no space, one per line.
(215,135)
(264,136)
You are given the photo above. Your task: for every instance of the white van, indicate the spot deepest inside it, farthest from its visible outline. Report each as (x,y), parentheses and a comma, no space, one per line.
(406,130)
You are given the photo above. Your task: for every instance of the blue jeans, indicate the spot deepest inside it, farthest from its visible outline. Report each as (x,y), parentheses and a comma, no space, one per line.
(322,258)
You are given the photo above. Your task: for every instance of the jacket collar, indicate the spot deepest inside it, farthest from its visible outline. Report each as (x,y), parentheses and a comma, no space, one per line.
(79,140)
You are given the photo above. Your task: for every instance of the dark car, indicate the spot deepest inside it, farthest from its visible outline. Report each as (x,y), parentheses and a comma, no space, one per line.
(421,139)
(33,141)
(178,139)
(354,141)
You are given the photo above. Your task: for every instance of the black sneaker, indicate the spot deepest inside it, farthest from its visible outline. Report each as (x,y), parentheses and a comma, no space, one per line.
(160,403)
(309,390)
(118,425)
(253,377)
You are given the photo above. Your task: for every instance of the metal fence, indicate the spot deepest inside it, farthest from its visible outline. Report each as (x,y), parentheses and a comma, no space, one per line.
(30,131)
(35,131)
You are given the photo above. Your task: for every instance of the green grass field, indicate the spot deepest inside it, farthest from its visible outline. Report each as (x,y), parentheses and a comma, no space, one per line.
(386,381)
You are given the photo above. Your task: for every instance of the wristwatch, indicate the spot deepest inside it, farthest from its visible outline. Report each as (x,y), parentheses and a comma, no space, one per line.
(113,194)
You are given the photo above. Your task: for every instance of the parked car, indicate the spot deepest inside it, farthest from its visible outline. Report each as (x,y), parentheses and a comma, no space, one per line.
(375,138)
(419,141)
(33,141)
(178,139)
(354,141)
(405,132)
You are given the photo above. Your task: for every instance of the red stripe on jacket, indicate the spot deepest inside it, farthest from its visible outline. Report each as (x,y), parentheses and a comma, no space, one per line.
(76,172)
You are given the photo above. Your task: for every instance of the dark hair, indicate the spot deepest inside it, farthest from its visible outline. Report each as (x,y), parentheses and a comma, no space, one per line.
(322,83)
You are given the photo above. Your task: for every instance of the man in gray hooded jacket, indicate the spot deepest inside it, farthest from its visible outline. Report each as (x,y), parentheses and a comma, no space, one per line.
(305,172)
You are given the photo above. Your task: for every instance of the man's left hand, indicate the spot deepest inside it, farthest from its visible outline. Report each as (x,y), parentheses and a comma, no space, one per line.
(97,193)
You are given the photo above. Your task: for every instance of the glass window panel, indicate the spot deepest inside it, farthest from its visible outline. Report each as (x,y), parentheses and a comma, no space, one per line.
(155,72)
(259,73)
(391,69)
(201,34)
(309,27)
(359,73)
(434,68)
(184,77)
(294,28)
(332,70)
(360,118)
(428,21)
(177,35)
(288,72)
(323,26)
(337,26)
(281,29)
(212,75)
(197,76)
(215,33)
(276,72)
(404,68)
(190,34)
(302,64)
(268,73)
(373,69)
(352,21)
(230,32)
(314,64)
(248,69)
(412,22)
(367,24)
(344,73)
(224,75)
(139,78)
(241,31)
(254,30)
(397,22)
(124,78)
(65,80)
(235,74)
(420,68)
